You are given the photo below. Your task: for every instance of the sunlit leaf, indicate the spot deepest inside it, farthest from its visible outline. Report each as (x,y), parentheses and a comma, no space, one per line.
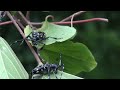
(27,30)
(10,66)
(63,33)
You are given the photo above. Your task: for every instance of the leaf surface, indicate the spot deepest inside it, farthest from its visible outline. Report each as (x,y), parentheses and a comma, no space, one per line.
(10,66)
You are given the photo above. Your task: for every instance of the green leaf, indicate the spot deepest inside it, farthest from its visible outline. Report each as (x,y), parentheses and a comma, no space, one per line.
(10,66)
(63,33)
(27,30)
(59,75)
(75,56)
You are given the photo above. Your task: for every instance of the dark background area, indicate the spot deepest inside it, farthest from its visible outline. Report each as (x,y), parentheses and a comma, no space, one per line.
(103,40)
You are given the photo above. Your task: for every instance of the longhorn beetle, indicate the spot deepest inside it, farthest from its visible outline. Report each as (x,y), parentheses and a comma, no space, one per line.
(35,38)
(48,69)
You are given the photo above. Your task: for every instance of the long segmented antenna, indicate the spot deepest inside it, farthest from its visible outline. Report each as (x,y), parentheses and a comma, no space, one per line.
(61,65)
(60,62)
(21,40)
(48,71)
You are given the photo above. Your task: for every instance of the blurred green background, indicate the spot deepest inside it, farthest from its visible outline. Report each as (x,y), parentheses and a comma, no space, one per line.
(103,40)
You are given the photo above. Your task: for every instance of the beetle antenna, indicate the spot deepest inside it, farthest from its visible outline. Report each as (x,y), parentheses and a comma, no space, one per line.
(21,40)
(61,65)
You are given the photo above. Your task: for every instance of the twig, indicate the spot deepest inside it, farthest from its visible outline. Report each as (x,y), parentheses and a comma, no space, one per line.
(19,29)
(76,22)
(23,17)
(18,21)
(5,23)
(28,15)
(75,14)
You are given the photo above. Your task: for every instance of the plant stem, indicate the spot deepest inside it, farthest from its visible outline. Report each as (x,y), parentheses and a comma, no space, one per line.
(76,22)
(75,14)
(5,23)
(18,21)
(28,15)
(19,29)
(23,17)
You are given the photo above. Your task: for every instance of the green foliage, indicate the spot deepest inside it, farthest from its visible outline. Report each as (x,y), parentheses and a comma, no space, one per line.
(97,36)
(27,30)
(10,66)
(75,56)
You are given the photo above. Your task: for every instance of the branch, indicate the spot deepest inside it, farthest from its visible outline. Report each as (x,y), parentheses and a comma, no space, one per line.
(76,22)
(19,29)
(24,18)
(75,14)
(5,23)
(28,15)
(18,22)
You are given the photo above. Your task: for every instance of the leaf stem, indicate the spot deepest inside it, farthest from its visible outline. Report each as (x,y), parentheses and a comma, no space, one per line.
(49,16)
